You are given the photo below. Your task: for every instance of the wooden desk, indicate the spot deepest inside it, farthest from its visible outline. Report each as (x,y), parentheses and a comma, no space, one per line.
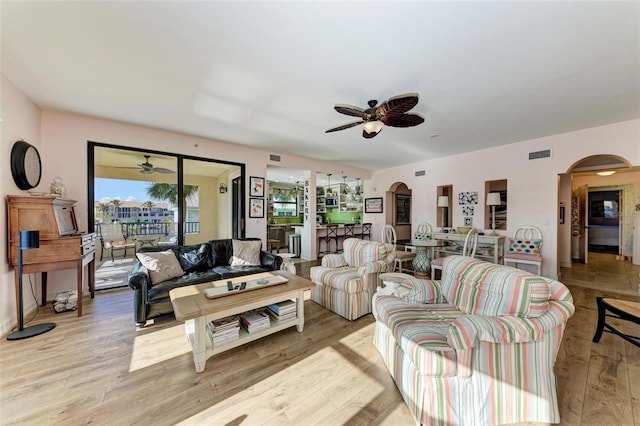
(44,268)
(62,246)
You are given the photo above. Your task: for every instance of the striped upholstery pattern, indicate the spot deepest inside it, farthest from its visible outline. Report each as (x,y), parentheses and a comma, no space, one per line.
(345,282)
(483,288)
(485,354)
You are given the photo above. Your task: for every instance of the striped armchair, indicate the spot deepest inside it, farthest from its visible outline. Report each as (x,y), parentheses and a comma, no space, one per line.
(345,282)
(477,347)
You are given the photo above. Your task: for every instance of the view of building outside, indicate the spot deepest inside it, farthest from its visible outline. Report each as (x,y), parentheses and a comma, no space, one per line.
(143,207)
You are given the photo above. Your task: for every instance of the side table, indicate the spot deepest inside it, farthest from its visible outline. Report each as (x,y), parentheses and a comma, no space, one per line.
(422,261)
(622,309)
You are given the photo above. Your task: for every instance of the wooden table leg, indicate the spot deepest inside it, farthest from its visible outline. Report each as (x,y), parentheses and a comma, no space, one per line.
(79,274)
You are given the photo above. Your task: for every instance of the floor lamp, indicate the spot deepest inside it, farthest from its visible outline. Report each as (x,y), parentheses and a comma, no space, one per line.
(28,240)
(443,201)
(493,200)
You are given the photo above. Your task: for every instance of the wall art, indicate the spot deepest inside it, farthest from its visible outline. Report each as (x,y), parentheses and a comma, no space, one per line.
(467,211)
(403,209)
(256,186)
(256,207)
(468,198)
(373,205)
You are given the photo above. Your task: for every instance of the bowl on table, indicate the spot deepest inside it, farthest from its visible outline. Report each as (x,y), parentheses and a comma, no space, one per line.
(464,229)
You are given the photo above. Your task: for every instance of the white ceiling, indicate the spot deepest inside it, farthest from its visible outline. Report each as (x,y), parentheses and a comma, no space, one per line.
(267,74)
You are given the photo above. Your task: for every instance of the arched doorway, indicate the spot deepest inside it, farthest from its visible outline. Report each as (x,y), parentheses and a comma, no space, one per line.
(398,198)
(597,197)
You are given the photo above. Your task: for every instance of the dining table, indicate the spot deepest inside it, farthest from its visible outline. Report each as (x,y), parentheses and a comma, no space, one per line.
(424,254)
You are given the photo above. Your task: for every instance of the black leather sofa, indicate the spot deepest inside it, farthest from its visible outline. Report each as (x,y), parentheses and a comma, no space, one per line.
(202,263)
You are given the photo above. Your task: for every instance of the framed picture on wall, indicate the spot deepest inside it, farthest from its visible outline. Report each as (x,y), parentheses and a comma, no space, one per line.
(256,186)
(373,205)
(256,207)
(403,209)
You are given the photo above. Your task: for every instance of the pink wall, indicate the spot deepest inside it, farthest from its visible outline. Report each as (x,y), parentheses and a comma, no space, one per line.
(532,184)
(20,120)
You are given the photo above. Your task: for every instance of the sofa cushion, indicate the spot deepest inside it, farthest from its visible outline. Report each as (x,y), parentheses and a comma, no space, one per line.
(194,258)
(344,279)
(246,253)
(161,291)
(522,246)
(161,265)
(421,332)
(359,252)
(483,288)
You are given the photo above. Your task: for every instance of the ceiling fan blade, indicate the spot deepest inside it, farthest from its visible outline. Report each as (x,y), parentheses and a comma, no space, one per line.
(162,170)
(351,110)
(398,104)
(403,120)
(123,167)
(344,126)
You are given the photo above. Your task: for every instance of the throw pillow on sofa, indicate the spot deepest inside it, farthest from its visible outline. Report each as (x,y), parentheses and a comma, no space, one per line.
(246,253)
(162,265)
(195,258)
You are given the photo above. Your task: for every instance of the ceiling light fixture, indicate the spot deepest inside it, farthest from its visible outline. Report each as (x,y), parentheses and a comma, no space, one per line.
(373,126)
(606,173)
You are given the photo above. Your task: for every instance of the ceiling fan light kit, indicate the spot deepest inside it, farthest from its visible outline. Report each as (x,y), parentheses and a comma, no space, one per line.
(392,112)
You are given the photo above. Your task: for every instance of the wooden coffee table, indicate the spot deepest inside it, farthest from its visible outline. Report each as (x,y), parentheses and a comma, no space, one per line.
(192,306)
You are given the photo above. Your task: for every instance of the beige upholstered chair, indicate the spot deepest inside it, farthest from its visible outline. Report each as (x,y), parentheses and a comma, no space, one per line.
(469,250)
(112,239)
(525,247)
(389,237)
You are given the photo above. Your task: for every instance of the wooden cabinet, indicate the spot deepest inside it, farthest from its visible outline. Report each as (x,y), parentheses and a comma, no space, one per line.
(490,248)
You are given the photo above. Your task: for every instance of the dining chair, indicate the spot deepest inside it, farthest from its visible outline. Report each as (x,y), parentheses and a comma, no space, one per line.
(525,247)
(389,237)
(469,249)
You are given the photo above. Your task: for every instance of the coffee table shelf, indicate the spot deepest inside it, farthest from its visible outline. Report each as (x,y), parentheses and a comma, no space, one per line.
(192,306)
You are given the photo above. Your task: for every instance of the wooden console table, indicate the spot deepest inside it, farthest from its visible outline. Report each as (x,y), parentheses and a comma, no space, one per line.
(490,247)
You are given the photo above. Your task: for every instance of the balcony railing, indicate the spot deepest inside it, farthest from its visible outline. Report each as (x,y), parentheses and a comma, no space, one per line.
(160,229)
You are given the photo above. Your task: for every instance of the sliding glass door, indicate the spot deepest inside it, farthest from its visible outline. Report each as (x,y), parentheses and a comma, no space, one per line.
(161,198)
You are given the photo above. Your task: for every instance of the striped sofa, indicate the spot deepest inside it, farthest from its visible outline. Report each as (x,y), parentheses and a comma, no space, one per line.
(477,347)
(345,282)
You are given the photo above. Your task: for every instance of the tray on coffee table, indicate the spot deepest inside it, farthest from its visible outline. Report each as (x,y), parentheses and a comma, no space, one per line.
(241,284)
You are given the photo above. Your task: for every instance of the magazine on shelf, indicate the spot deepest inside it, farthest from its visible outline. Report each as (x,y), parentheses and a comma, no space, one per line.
(283,307)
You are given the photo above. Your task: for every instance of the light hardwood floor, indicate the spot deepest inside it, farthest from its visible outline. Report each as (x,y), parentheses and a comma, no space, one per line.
(99,369)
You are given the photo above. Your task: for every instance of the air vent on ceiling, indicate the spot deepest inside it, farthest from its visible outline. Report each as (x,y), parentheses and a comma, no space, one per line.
(540,154)
(420,173)
(274,157)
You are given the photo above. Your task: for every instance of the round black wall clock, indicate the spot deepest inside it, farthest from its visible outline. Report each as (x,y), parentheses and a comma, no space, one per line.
(26,167)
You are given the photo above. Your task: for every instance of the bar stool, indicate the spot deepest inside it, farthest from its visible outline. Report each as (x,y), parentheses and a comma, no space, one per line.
(349,232)
(332,235)
(366,231)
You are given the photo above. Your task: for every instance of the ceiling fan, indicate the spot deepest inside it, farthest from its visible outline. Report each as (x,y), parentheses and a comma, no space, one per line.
(147,167)
(392,112)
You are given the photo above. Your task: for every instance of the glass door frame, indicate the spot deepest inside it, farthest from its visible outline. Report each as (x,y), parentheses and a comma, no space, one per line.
(91,220)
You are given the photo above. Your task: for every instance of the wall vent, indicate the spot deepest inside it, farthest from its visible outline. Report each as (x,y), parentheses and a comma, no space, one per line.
(420,173)
(274,157)
(540,154)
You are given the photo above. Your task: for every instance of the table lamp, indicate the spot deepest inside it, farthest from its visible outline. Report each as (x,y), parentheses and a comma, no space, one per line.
(443,201)
(28,240)
(493,200)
